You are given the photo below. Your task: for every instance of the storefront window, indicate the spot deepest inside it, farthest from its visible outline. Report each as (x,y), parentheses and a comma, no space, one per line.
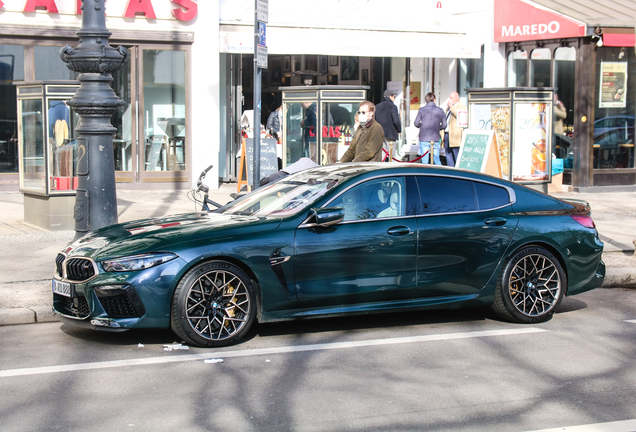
(11,69)
(122,119)
(49,66)
(471,74)
(564,70)
(615,108)
(518,69)
(540,67)
(164,104)
(337,130)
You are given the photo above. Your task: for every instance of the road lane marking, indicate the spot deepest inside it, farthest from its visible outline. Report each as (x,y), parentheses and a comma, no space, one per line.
(618,426)
(631,321)
(262,351)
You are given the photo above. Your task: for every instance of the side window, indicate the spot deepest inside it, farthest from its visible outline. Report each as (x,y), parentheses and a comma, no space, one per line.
(374,199)
(446,195)
(491,196)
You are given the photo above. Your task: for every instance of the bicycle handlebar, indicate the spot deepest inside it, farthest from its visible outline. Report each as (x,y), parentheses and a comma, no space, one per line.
(205,171)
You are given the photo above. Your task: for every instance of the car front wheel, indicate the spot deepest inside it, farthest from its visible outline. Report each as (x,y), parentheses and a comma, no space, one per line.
(213,305)
(530,287)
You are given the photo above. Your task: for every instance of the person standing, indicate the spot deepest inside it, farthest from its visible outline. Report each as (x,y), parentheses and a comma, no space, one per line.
(561,113)
(274,122)
(453,133)
(430,120)
(368,139)
(386,113)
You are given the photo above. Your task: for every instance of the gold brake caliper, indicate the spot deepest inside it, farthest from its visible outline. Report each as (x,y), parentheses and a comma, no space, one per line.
(230,310)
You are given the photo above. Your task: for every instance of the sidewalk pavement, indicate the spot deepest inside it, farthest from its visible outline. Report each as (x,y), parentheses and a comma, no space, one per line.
(28,252)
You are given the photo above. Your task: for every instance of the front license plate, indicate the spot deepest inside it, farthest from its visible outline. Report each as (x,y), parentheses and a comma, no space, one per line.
(62,288)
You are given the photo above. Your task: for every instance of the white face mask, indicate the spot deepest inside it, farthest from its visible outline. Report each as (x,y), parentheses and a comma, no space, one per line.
(362,118)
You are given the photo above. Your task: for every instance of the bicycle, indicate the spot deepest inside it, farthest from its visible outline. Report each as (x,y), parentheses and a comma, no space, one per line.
(198,187)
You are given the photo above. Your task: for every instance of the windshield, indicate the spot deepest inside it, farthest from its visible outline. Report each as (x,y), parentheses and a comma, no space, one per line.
(282,198)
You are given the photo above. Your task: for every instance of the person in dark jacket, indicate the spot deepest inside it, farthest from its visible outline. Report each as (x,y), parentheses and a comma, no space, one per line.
(274,122)
(386,113)
(367,142)
(431,120)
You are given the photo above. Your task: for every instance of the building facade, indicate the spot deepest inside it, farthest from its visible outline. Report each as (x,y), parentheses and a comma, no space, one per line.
(189,74)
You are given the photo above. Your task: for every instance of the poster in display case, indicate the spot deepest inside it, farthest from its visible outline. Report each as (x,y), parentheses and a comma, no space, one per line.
(496,117)
(531,139)
(613,86)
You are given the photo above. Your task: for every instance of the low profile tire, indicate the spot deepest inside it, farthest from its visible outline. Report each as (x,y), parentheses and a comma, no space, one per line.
(213,305)
(531,286)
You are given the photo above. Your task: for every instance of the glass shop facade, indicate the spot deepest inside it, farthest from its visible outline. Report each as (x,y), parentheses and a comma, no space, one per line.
(594,72)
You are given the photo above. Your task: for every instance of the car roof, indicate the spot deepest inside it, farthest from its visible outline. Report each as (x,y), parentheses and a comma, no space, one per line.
(356,169)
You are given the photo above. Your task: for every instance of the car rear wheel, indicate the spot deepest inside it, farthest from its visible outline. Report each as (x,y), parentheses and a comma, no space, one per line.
(531,286)
(213,305)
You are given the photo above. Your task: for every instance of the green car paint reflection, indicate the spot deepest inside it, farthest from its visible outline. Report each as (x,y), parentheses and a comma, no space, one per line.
(334,240)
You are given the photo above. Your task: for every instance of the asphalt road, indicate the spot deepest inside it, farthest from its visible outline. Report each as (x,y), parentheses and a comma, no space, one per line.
(441,371)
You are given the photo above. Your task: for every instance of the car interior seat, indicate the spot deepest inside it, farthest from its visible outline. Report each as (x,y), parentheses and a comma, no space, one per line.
(393,208)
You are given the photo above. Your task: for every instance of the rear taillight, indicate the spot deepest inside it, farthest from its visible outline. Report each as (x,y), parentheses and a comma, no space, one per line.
(584,220)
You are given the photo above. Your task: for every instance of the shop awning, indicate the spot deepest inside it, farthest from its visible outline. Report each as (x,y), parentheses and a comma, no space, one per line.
(338,42)
(373,28)
(619,39)
(526,20)
(517,20)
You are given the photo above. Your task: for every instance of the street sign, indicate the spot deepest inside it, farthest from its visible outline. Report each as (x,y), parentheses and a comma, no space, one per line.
(262,10)
(262,34)
(261,57)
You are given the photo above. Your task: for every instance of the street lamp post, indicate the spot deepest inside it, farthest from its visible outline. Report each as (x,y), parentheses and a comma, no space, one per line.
(95,102)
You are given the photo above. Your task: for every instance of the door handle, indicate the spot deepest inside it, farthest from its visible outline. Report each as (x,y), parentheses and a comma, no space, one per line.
(398,231)
(498,221)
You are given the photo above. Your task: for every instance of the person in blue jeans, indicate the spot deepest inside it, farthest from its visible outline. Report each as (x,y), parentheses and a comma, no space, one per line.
(430,120)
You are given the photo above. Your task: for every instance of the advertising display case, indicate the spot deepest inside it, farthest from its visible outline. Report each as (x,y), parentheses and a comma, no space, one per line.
(318,121)
(48,152)
(522,121)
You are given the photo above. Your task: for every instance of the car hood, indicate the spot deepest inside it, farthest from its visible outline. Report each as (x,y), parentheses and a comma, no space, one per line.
(165,234)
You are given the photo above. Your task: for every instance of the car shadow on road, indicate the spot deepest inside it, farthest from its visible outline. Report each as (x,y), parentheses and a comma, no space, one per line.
(130,337)
(314,326)
(371,321)
(570,304)
(310,326)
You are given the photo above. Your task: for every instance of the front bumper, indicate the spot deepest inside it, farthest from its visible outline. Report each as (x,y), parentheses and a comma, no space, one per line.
(121,301)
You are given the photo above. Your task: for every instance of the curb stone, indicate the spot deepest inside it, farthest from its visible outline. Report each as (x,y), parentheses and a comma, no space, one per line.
(17,316)
(43,314)
(624,277)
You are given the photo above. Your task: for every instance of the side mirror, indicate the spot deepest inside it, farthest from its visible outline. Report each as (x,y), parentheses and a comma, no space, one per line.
(328,215)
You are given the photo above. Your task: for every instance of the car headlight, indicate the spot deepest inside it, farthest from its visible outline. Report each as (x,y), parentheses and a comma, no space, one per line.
(137,262)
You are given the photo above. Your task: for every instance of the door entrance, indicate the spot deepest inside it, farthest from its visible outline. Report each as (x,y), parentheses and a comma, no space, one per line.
(151,144)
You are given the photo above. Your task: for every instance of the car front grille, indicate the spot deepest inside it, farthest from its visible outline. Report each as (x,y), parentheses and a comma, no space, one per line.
(119,306)
(59,263)
(79,269)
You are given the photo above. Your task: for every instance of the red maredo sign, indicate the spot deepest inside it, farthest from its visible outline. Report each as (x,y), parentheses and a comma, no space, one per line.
(185,10)
(516,20)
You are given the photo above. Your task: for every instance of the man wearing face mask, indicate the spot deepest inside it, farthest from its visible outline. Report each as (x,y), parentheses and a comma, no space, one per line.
(367,142)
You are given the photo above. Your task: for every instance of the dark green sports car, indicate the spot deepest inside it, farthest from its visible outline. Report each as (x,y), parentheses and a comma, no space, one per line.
(334,240)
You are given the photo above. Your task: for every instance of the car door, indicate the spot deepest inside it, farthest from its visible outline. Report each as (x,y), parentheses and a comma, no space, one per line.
(464,229)
(369,257)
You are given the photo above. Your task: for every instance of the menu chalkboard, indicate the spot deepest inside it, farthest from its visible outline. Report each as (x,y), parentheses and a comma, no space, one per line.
(269,158)
(479,153)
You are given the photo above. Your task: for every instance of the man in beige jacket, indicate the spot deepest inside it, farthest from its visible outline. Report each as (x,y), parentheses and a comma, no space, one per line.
(453,133)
